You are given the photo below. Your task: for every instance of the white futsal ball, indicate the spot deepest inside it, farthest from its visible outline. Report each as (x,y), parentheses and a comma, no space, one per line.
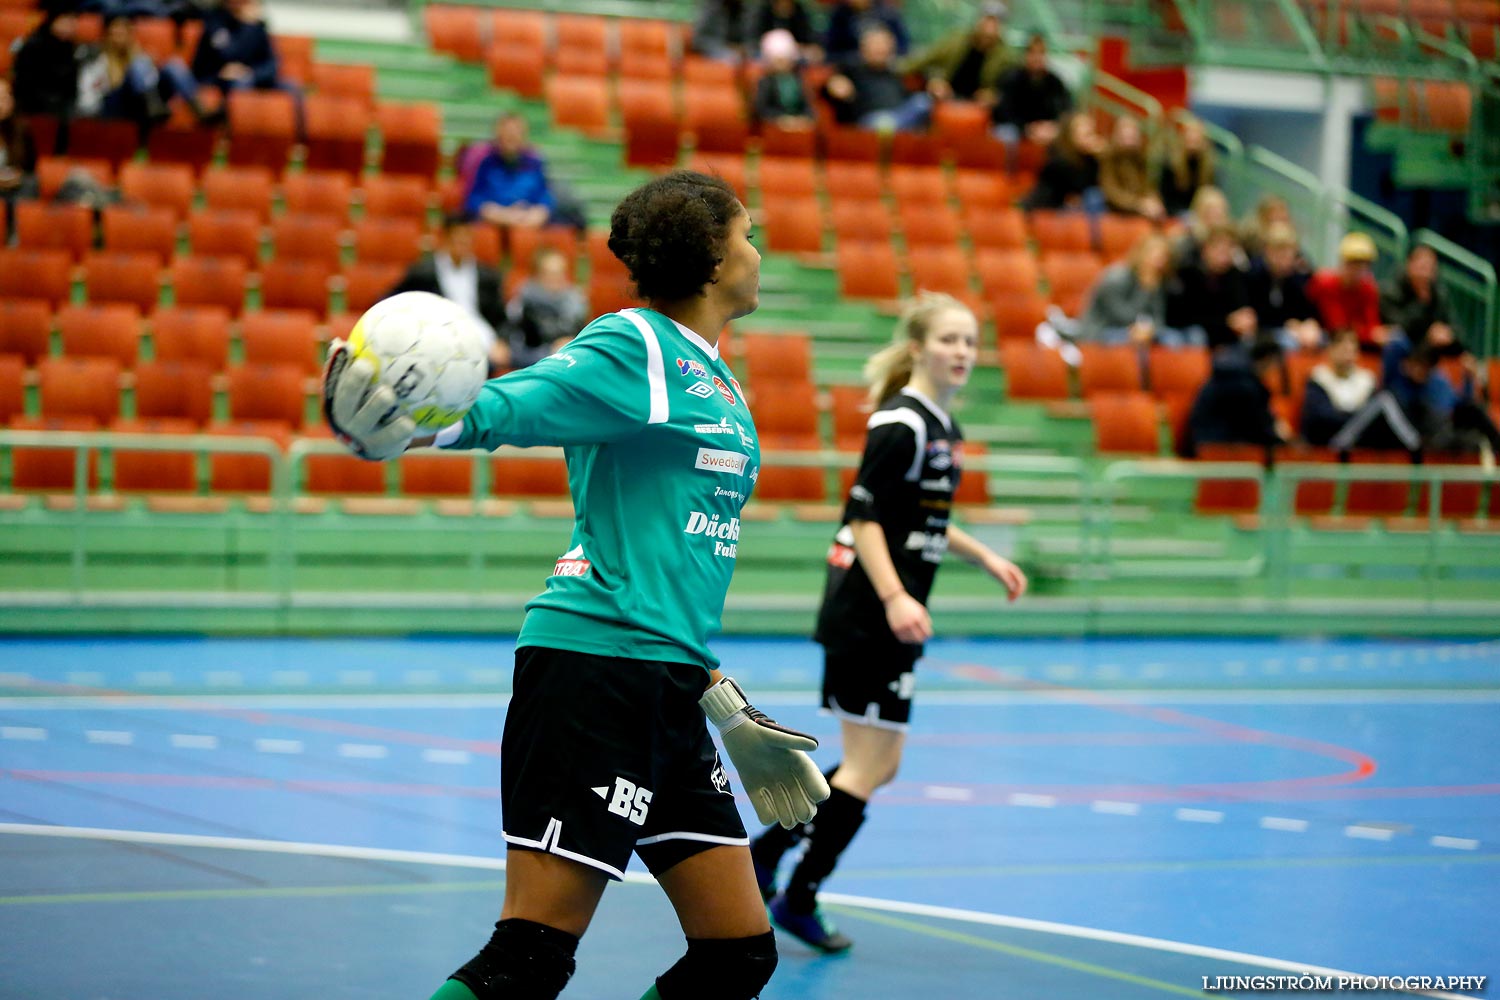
(430,351)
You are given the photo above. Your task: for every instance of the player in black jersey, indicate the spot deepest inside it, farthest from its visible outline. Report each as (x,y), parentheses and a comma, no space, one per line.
(881,565)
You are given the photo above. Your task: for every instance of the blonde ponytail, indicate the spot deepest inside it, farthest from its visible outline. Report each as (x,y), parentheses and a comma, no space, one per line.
(890,368)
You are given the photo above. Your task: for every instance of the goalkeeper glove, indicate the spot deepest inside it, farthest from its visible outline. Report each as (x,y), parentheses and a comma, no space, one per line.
(363,414)
(784,785)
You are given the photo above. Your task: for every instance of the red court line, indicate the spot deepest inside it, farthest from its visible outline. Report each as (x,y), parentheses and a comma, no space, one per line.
(1362,765)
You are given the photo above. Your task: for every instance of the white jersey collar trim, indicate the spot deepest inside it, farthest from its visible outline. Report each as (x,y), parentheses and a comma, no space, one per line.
(937,411)
(712,350)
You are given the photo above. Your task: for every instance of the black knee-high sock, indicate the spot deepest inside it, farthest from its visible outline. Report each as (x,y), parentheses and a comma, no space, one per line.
(776,840)
(837,822)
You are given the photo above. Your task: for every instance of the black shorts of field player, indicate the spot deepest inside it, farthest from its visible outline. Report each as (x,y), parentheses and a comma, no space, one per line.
(871,685)
(604,755)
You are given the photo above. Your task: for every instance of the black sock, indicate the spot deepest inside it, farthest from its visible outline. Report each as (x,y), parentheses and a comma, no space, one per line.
(776,840)
(837,822)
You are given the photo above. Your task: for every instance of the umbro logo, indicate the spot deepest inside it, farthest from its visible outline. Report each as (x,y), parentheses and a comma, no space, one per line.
(700,389)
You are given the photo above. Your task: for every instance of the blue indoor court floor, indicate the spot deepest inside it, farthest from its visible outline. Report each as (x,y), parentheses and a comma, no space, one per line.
(269,819)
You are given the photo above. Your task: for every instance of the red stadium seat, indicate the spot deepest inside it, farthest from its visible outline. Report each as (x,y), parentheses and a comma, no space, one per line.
(317,192)
(857,144)
(577,63)
(518,68)
(525,241)
(581,104)
(141,229)
(454,29)
(311,238)
(716,118)
(282,337)
(1375,498)
(12,387)
(411,135)
(995,228)
(1034,372)
(1125,424)
(786,408)
(295,284)
(295,54)
(336,131)
(851,414)
(1070,278)
(53,171)
(918,185)
(868,271)
(262,128)
(940,269)
(341,475)
(391,240)
(519,27)
(436,475)
(791,484)
(154,471)
(862,222)
(51,470)
(1178,371)
(184,144)
(857,181)
(1017,315)
(396,197)
(44,226)
(1229,496)
(1109,369)
(247,189)
(367,282)
(133,279)
(652,141)
(933,225)
(161,185)
(110,139)
(267,392)
(790,143)
(528,477)
(180,389)
(793,225)
(1314,497)
(960,119)
(1003,272)
(350,81)
(80,387)
(198,334)
(101,331)
(209,281)
(777,358)
(25,329)
(1066,232)
(974,484)
(245,473)
(1119,234)
(983,189)
(785,178)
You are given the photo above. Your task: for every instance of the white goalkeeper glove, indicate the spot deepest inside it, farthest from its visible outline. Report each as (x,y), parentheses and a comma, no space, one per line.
(783,783)
(363,414)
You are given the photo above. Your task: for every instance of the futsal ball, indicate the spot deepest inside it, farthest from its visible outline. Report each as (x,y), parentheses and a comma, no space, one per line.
(430,352)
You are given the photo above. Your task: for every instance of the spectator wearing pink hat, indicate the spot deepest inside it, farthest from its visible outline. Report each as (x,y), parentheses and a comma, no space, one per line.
(781,96)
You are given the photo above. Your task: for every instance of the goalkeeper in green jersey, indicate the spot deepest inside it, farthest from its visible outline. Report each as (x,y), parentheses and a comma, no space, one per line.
(606,750)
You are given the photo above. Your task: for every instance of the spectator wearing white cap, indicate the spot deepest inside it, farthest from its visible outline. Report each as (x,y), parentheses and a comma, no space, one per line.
(781,96)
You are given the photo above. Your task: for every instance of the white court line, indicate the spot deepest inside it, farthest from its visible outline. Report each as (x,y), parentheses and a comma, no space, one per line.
(1361,832)
(944,793)
(1282,823)
(363,751)
(266,745)
(1456,843)
(1199,815)
(1032,801)
(109,737)
(194,741)
(1116,808)
(867,902)
(435,755)
(28,733)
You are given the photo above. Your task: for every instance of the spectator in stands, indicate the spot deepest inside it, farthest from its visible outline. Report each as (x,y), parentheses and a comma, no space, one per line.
(546,312)
(781,96)
(790,16)
(17,159)
(1341,402)
(235,50)
(119,80)
(45,71)
(850,19)
(1414,303)
(1033,99)
(1210,300)
(1234,405)
(452,271)
(1347,296)
(1128,304)
(1449,419)
(968,63)
(1189,168)
(1270,211)
(1070,177)
(1278,293)
(868,92)
(1210,210)
(509,184)
(719,31)
(1125,172)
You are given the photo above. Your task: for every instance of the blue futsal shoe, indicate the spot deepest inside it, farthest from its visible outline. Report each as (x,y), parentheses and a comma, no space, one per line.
(812,929)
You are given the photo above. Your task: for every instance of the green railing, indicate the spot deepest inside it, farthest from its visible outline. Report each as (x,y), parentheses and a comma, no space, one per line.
(1472,289)
(289,530)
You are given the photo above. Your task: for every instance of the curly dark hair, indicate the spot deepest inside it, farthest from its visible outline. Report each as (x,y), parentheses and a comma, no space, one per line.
(670,232)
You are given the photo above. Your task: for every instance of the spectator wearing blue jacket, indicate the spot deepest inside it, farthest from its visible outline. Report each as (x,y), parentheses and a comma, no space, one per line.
(509,186)
(235,52)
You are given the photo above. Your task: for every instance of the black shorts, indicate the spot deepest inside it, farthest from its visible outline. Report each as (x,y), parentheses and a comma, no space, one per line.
(871,685)
(604,755)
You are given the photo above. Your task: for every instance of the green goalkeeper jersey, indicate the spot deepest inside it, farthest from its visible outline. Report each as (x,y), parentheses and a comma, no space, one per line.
(661,454)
